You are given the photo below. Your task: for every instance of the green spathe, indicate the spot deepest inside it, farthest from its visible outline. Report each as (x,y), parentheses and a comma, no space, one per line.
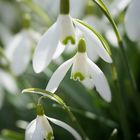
(82,46)
(64,6)
(40,110)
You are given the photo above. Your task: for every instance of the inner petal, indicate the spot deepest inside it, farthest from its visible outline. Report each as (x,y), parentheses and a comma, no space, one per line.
(67,32)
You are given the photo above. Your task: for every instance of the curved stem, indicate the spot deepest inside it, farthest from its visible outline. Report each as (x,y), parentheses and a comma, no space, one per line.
(104,9)
(73,118)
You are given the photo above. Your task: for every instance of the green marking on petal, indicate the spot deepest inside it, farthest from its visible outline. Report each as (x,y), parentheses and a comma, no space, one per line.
(78,76)
(40,110)
(50,136)
(82,45)
(67,39)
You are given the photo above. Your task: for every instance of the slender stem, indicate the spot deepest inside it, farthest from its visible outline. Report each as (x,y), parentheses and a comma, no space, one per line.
(104,9)
(73,118)
(121,107)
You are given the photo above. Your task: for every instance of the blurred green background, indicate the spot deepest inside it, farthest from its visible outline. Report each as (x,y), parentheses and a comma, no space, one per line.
(96,117)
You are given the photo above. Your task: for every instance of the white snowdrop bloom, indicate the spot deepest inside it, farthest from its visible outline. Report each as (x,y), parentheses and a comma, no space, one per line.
(19,50)
(132,21)
(40,128)
(83,70)
(52,7)
(8,82)
(63,31)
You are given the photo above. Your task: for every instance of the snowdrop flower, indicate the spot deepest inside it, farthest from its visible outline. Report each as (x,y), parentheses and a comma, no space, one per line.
(7,83)
(132,21)
(63,31)
(52,7)
(19,50)
(83,70)
(40,129)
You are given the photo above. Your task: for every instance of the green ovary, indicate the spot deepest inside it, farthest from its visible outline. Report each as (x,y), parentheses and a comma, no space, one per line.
(67,39)
(50,136)
(78,76)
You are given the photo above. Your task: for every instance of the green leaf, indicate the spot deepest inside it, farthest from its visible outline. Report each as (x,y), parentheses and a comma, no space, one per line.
(104,43)
(105,10)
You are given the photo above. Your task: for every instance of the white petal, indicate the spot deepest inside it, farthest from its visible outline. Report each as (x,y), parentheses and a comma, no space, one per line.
(8,82)
(88,83)
(19,52)
(67,127)
(30,130)
(38,129)
(100,81)
(35,36)
(132,20)
(66,27)
(91,51)
(59,50)
(90,36)
(46,49)
(58,75)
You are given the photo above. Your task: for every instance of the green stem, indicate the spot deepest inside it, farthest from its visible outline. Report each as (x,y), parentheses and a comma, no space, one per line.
(64,6)
(39,11)
(104,9)
(121,107)
(73,118)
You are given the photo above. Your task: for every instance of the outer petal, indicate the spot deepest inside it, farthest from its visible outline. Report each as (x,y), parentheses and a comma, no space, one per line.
(38,129)
(100,81)
(132,20)
(8,82)
(66,27)
(46,49)
(91,50)
(90,36)
(18,52)
(58,75)
(66,126)
(88,83)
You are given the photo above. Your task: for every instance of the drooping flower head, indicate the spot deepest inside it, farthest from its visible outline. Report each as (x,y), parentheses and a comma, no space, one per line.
(83,70)
(62,32)
(19,49)
(40,129)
